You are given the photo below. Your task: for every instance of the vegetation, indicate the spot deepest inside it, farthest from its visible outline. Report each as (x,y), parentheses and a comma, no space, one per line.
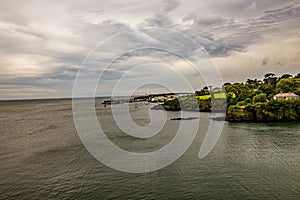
(189,103)
(254,100)
(249,101)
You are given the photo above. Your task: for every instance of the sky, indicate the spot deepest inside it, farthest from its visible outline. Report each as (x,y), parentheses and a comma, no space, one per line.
(44,44)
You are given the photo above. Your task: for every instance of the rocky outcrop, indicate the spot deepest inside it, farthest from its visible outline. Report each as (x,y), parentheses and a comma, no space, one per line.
(242,115)
(239,118)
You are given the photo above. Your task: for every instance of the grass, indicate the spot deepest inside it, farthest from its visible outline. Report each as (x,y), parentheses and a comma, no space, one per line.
(217,96)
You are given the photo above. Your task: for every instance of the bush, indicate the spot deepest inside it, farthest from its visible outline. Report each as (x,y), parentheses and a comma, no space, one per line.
(242,104)
(248,100)
(260,98)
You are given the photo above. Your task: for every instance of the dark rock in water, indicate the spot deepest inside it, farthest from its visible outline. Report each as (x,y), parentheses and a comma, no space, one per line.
(110,102)
(184,118)
(157,107)
(221,118)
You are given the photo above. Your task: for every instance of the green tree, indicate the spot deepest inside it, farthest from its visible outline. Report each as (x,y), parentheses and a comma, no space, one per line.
(284,76)
(248,100)
(260,98)
(297,76)
(270,79)
(242,91)
(250,83)
(172,105)
(267,89)
(286,85)
(203,91)
(253,84)
(297,91)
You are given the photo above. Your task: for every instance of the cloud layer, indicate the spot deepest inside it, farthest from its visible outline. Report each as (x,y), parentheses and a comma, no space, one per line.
(43,43)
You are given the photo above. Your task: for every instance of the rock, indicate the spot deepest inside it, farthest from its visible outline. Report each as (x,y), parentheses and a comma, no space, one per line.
(157,107)
(184,118)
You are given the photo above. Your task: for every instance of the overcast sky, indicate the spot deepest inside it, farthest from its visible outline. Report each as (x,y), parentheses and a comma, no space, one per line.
(43,43)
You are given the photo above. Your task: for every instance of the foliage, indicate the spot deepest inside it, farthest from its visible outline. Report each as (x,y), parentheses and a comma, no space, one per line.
(285,76)
(203,92)
(297,76)
(260,98)
(270,79)
(297,91)
(172,105)
(268,90)
(252,100)
(216,96)
(205,97)
(286,85)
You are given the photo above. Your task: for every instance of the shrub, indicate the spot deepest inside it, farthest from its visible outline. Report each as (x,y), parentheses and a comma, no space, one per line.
(260,98)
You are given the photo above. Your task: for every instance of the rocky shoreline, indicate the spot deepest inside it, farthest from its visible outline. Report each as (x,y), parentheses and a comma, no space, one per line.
(254,117)
(233,118)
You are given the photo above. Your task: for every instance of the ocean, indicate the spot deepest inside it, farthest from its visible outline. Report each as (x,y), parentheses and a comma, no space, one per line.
(42,157)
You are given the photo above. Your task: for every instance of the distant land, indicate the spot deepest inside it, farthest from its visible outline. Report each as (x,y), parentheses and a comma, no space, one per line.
(271,99)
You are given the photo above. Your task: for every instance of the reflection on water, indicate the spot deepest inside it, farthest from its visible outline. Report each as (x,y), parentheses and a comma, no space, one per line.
(253,161)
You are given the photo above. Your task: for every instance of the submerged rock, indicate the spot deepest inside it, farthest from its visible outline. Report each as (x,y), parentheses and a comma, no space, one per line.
(184,118)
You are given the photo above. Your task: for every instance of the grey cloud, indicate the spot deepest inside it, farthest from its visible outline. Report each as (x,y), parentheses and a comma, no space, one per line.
(101,30)
(158,20)
(161,18)
(221,36)
(62,73)
(200,21)
(169,5)
(277,15)
(65,32)
(265,61)
(50,79)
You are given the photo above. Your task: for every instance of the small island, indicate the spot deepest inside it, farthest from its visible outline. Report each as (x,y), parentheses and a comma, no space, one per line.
(272,99)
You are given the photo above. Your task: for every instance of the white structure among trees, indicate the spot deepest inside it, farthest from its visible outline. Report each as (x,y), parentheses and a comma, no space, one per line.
(286,96)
